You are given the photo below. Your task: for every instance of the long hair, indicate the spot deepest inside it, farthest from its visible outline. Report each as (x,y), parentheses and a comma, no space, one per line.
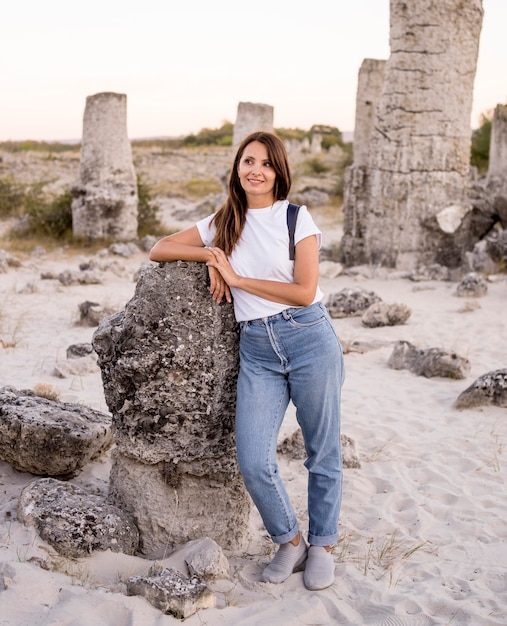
(231,217)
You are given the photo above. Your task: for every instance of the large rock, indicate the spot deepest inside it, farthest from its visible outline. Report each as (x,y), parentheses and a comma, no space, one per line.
(169,365)
(418,156)
(49,438)
(251,117)
(172,593)
(105,199)
(428,362)
(488,389)
(75,522)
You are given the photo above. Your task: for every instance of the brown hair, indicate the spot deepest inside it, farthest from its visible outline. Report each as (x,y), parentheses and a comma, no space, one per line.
(230,218)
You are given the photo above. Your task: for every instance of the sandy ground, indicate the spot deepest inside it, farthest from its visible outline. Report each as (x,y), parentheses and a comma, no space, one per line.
(423,523)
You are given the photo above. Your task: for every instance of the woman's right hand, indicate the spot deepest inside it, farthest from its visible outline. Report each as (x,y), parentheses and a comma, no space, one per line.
(218,287)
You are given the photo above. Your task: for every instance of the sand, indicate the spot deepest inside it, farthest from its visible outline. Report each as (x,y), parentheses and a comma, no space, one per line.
(423,523)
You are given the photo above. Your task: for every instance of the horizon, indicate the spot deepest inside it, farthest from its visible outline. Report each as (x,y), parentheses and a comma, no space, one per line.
(187,68)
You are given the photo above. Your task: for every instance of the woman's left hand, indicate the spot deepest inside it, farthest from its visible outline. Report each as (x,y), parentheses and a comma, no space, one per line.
(221,263)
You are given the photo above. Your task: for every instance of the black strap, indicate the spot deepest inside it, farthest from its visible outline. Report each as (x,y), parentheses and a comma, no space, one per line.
(292,214)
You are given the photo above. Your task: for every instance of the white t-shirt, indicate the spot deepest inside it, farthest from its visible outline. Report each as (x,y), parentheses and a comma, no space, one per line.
(263,252)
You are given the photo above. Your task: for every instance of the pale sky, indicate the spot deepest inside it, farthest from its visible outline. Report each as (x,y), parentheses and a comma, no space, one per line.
(186,64)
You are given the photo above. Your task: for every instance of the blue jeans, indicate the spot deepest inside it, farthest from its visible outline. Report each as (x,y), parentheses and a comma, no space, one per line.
(294,355)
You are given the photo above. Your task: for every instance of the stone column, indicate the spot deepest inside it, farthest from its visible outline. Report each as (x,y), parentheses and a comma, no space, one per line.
(370,82)
(417,166)
(104,204)
(250,118)
(496,180)
(497,167)
(169,365)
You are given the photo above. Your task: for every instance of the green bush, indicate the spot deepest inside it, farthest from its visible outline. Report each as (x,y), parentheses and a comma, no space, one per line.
(52,218)
(315,166)
(211,137)
(148,212)
(17,199)
(481,138)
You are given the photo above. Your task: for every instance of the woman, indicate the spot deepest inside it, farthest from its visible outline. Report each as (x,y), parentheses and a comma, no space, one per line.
(288,349)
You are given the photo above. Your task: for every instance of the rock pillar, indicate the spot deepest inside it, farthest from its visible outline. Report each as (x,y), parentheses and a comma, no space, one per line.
(497,167)
(104,204)
(370,82)
(169,365)
(417,166)
(251,117)
(496,180)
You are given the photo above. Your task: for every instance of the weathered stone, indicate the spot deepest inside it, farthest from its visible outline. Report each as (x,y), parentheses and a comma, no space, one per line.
(125,250)
(169,365)
(496,247)
(294,448)
(435,271)
(205,559)
(384,314)
(488,389)
(78,350)
(370,82)
(429,363)
(7,261)
(49,438)
(76,367)
(250,117)
(497,163)
(92,313)
(171,505)
(172,593)
(105,200)
(67,277)
(472,286)
(75,522)
(419,149)
(350,302)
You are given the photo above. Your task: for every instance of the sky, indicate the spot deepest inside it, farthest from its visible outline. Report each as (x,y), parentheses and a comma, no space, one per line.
(186,64)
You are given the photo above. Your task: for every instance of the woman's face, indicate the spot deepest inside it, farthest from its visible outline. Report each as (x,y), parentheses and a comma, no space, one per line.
(257,175)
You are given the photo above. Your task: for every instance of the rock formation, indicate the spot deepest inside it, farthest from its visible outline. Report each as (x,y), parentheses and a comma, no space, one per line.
(105,200)
(429,363)
(251,117)
(75,522)
(488,389)
(49,438)
(418,155)
(169,364)
(370,82)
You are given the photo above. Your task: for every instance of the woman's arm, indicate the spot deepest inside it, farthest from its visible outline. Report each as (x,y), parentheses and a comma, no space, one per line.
(301,292)
(187,245)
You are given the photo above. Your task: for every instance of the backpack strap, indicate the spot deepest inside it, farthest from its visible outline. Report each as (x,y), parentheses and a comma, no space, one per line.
(292,214)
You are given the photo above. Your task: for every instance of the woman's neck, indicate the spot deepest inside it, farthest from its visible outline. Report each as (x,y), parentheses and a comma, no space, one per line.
(259,202)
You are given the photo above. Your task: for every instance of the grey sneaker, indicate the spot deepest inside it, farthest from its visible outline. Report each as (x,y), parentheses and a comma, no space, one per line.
(287,560)
(319,571)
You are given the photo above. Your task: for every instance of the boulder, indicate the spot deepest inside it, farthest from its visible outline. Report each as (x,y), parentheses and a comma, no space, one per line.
(488,389)
(169,365)
(350,302)
(75,522)
(384,314)
(430,363)
(49,438)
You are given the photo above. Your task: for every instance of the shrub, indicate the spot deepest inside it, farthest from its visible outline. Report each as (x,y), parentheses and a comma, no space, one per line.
(481,137)
(315,166)
(212,137)
(52,218)
(148,212)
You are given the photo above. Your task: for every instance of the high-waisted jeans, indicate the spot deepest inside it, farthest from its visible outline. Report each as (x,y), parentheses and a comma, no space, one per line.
(294,355)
